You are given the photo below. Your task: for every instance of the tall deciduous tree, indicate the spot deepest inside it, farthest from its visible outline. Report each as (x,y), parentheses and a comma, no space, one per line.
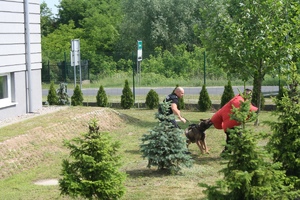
(72,10)
(47,21)
(248,38)
(160,23)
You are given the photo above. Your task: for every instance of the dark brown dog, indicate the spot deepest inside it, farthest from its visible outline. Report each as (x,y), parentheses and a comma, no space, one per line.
(195,133)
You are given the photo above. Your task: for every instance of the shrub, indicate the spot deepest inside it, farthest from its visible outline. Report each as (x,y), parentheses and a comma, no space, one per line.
(93,170)
(248,173)
(204,102)
(101,97)
(77,98)
(152,99)
(52,98)
(285,142)
(227,95)
(127,100)
(165,146)
(63,97)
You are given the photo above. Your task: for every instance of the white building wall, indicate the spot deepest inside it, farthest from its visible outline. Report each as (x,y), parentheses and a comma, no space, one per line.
(13,57)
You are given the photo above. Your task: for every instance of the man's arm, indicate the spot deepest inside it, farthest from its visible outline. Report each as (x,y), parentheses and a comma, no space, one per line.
(177,112)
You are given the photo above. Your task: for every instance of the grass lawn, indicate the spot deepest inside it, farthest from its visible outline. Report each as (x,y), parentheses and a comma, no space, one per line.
(32,150)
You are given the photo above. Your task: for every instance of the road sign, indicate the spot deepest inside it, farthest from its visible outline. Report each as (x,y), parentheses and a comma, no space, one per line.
(75,53)
(139,51)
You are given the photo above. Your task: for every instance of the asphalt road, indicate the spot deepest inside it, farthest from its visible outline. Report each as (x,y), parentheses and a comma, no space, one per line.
(216,90)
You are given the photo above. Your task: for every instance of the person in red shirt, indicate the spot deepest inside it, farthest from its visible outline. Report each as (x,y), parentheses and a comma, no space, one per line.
(221,119)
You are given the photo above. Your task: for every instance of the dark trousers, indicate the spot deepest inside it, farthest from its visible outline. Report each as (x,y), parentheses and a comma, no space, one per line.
(174,123)
(228,139)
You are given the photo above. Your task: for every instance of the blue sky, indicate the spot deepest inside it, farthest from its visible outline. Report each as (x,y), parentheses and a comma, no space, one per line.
(51,4)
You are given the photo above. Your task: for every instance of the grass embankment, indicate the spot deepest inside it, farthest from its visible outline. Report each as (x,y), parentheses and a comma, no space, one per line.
(32,150)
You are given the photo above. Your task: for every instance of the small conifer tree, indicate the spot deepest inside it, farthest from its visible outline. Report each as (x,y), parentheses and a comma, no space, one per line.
(248,175)
(52,98)
(93,169)
(127,100)
(285,140)
(101,97)
(204,102)
(77,97)
(165,146)
(152,99)
(227,95)
(63,97)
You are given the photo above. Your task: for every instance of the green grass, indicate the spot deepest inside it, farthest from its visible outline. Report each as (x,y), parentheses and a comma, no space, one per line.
(32,150)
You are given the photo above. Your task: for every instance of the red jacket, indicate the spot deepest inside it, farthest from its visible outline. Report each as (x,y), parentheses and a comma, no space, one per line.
(221,119)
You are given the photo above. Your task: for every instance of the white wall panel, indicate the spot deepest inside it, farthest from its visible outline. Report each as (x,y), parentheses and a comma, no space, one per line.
(35,38)
(10,17)
(12,49)
(6,60)
(34,8)
(35,57)
(14,68)
(34,18)
(11,6)
(15,39)
(35,28)
(11,28)
(35,48)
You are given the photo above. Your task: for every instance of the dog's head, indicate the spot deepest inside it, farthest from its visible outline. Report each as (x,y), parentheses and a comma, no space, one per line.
(204,124)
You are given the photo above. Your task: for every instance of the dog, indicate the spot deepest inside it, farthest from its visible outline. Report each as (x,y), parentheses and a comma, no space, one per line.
(195,133)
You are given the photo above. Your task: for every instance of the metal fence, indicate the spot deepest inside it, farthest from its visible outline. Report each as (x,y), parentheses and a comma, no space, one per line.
(64,72)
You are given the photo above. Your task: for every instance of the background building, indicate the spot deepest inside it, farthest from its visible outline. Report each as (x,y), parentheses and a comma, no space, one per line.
(20,57)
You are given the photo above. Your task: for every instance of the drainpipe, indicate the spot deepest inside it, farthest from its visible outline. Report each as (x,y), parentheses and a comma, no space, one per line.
(28,55)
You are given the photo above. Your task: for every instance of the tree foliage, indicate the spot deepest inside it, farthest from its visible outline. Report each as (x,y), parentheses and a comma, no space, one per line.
(248,38)
(127,100)
(47,21)
(227,95)
(52,97)
(248,174)
(77,97)
(63,97)
(285,140)
(165,146)
(92,171)
(204,102)
(152,99)
(160,23)
(101,97)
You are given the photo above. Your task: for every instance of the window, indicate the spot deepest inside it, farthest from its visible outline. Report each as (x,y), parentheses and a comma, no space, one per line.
(5,90)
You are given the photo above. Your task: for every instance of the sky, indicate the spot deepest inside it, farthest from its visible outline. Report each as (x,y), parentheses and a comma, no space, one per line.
(50,4)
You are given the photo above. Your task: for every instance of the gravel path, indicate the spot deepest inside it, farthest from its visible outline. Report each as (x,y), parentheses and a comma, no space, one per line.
(44,110)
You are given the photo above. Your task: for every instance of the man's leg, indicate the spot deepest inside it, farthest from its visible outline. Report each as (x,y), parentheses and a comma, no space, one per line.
(175,124)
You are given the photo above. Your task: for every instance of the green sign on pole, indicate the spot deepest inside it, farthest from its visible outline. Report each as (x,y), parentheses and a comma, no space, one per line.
(139,51)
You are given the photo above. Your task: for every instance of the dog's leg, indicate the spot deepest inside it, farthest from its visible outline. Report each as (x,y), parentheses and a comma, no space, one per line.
(199,145)
(204,146)
(188,142)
